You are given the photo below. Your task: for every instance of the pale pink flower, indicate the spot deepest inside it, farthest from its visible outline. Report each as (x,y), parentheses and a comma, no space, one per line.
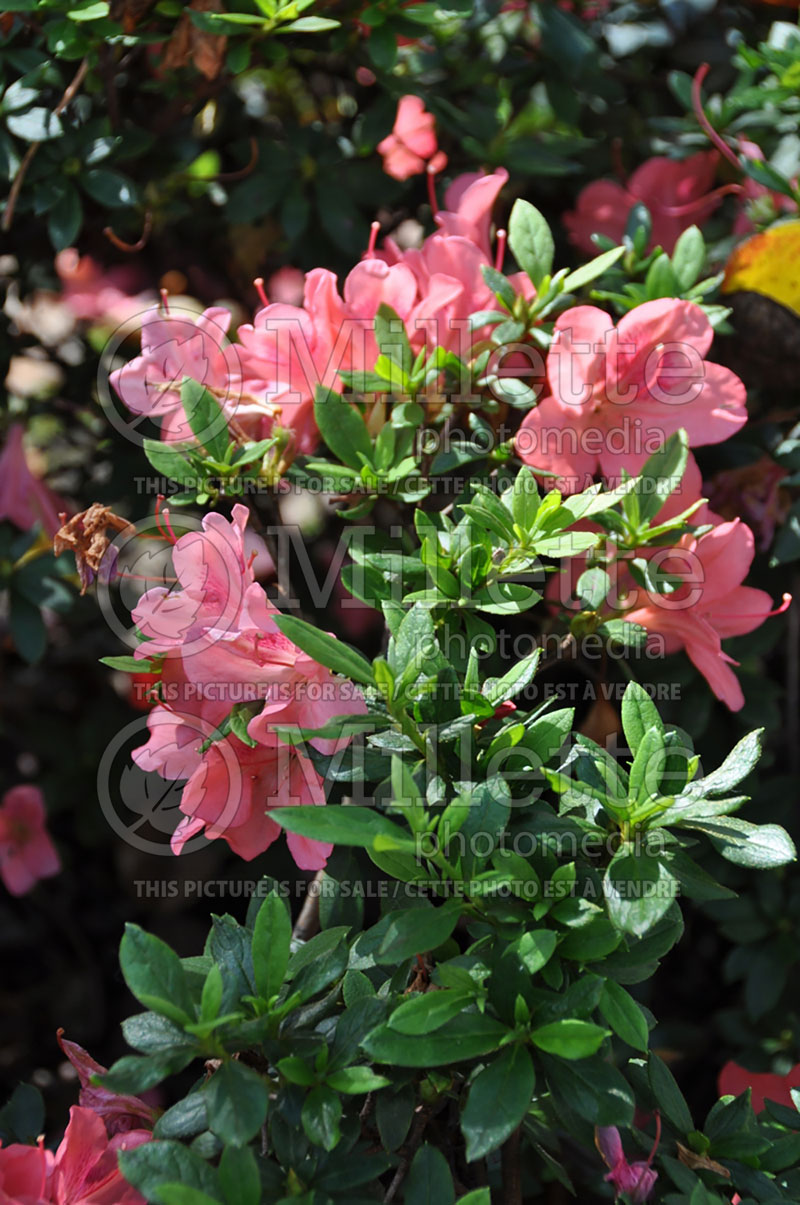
(673,190)
(174,346)
(636,1179)
(616,393)
(468,205)
(25,500)
(119,1113)
(27,853)
(412,143)
(98,294)
(286,285)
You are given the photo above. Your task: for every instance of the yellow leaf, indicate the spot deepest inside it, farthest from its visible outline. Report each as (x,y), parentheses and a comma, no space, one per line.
(768,264)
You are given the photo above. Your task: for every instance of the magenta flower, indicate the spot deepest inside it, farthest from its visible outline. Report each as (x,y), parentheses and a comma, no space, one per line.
(616,393)
(412,144)
(635,1179)
(764,1085)
(673,190)
(25,500)
(27,853)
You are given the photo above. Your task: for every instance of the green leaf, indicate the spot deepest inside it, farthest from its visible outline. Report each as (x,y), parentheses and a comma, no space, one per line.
(429,1181)
(168,459)
(109,188)
(638,889)
(639,713)
(205,417)
(272,935)
(498,690)
(648,765)
(355,1081)
(154,1164)
(325,649)
(65,219)
(592,588)
(344,825)
(154,974)
(758,846)
(428,1012)
(688,257)
(239,1178)
(321,1116)
(237,1102)
(624,1016)
(342,428)
(668,1095)
(661,475)
(531,241)
(181,1194)
(415,930)
(309,25)
(736,766)
(391,337)
(535,949)
(467,1036)
(596,267)
(498,1101)
(569,1039)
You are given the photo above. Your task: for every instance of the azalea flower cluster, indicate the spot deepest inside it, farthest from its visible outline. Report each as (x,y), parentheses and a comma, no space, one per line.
(614,394)
(217,647)
(266,381)
(84,1169)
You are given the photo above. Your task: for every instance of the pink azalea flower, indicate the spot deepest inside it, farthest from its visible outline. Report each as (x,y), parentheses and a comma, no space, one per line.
(710,606)
(25,500)
(85,1170)
(119,1113)
(764,1085)
(412,142)
(175,346)
(753,492)
(468,205)
(673,191)
(616,393)
(636,1179)
(23,1174)
(223,647)
(97,294)
(27,853)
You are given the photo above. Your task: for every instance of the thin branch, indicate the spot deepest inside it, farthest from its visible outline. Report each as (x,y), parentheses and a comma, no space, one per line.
(512,1169)
(140,243)
(307,922)
(13,196)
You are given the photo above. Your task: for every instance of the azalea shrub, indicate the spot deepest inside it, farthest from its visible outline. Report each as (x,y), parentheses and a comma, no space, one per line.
(429,604)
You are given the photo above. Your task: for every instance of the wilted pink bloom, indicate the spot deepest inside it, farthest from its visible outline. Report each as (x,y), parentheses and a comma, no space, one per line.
(673,191)
(119,1113)
(223,647)
(25,500)
(616,393)
(98,294)
(709,606)
(636,1179)
(85,1171)
(752,492)
(174,346)
(412,142)
(764,1085)
(27,853)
